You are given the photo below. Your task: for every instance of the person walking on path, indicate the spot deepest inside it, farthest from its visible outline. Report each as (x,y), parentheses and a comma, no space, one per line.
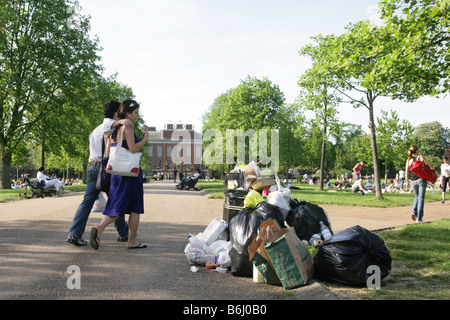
(126,195)
(418,185)
(401,178)
(357,170)
(96,138)
(445,176)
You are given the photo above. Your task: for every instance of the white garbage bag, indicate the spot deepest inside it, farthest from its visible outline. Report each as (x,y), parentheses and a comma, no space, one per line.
(280,198)
(196,250)
(99,204)
(220,249)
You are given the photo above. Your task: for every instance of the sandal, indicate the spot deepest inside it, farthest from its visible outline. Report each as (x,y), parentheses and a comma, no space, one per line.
(95,241)
(139,246)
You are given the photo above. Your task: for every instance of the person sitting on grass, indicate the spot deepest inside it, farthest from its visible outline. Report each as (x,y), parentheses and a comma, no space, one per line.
(358,186)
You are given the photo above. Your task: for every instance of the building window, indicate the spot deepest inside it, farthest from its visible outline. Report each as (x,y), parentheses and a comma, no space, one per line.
(159,151)
(169,151)
(150,151)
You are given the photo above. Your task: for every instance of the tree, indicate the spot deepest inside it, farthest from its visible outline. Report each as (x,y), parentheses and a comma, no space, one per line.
(253,105)
(319,96)
(420,60)
(432,138)
(351,60)
(395,138)
(349,146)
(291,144)
(43,62)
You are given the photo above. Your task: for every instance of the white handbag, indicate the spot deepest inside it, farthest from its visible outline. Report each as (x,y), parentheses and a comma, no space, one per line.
(122,162)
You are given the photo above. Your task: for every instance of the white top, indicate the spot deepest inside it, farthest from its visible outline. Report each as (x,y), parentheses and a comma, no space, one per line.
(195,176)
(401,174)
(95,139)
(40,176)
(445,170)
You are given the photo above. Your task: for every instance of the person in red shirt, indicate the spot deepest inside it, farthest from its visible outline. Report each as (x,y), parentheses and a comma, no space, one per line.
(357,170)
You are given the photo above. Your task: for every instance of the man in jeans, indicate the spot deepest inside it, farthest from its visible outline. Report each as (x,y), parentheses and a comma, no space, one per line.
(110,122)
(357,170)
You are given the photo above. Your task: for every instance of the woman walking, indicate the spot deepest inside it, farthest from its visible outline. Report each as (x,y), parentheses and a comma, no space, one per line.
(445,176)
(418,185)
(126,194)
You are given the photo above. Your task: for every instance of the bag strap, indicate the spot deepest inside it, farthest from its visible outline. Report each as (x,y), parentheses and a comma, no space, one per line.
(119,143)
(103,147)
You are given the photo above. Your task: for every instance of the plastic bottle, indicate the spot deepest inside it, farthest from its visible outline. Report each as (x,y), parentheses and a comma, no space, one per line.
(326,234)
(314,237)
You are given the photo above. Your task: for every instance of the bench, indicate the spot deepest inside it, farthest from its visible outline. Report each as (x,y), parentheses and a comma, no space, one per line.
(39,189)
(191,185)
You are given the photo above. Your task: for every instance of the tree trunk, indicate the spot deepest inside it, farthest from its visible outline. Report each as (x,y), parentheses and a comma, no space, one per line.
(324,147)
(373,139)
(43,155)
(84,176)
(5,170)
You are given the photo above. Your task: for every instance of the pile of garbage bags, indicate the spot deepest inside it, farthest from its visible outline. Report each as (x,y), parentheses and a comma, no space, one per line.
(208,243)
(282,241)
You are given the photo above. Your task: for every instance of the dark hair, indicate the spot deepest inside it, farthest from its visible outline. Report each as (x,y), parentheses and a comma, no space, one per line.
(412,151)
(127,106)
(447,153)
(41,169)
(110,108)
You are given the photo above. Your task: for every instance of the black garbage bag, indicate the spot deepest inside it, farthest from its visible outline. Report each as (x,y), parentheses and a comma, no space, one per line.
(346,257)
(305,217)
(243,229)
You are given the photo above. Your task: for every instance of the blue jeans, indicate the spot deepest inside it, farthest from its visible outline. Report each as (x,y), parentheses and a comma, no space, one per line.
(183,183)
(419,187)
(84,209)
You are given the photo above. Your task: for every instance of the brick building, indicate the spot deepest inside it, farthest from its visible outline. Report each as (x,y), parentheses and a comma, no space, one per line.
(178,147)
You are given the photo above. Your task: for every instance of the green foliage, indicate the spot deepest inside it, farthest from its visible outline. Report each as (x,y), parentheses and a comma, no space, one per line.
(395,138)
(432,138)
(421,57)
(43,63)
(253,104)
(51,85)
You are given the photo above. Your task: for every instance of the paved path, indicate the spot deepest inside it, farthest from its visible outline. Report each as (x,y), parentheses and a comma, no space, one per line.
(34,256)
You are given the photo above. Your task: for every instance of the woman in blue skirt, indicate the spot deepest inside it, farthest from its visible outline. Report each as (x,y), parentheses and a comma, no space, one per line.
(126,195)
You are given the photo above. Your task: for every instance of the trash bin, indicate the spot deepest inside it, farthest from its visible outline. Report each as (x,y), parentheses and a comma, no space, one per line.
(234,202)
(237,176)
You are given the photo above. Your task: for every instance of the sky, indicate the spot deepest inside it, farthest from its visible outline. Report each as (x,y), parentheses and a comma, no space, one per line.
(179,55)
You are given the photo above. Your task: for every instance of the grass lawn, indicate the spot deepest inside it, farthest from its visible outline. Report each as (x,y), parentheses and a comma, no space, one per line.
(13,194)
(333,196)
(420,266)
